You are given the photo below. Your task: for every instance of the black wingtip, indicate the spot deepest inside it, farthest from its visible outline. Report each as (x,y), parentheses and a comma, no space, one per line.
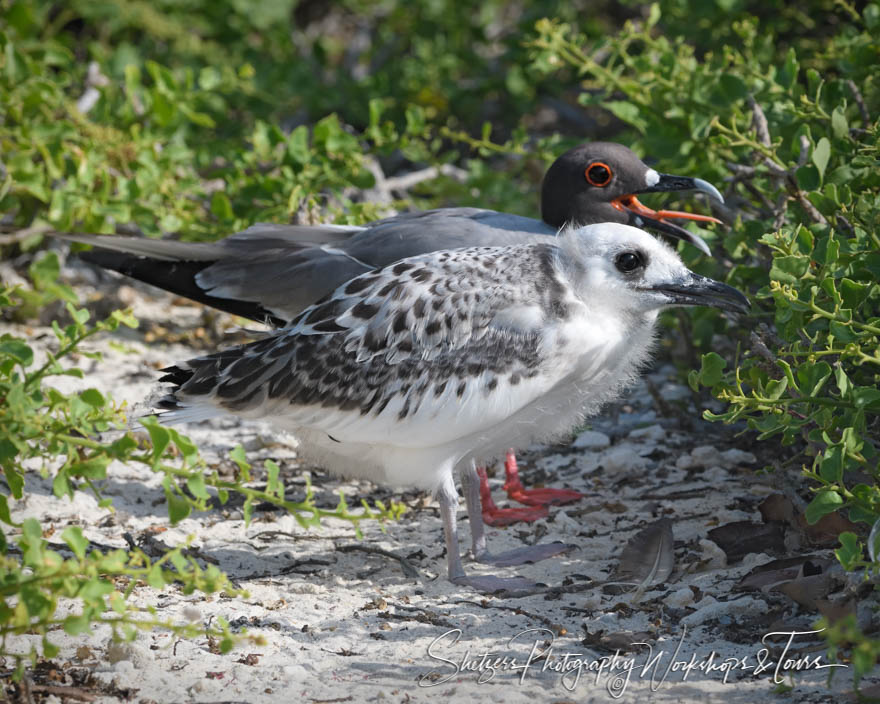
(175,375)
(177,277)
(168,403)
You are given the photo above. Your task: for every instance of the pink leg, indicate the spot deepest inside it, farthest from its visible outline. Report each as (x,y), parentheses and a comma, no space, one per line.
(534,497)
(497,517)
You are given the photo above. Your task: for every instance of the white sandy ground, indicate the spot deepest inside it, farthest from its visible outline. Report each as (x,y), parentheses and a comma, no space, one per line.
(350,626)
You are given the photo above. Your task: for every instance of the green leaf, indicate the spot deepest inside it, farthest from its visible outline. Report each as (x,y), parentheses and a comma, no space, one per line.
(221,207)
(775,388)
(812,377)
(825,502)
(92,468)
(196,484)
(849,552)
(76,541)
(808,177)
(627,112)
(821,154)
(712,369)
(159,436)
(789,269)
(844,385)
(831,466)
(5,516)
(18,350)
(865,397)
(187,447)
(155,578)
(298,145)
(76,624)
(273,486)
(238,456)
(178,507)
(839,125)
(163,108)
(45,270)
(789,73)
(93,397)
(732,87)
(61,484)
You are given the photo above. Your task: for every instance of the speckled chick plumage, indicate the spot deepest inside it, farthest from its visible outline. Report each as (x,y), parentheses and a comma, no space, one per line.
(406,372)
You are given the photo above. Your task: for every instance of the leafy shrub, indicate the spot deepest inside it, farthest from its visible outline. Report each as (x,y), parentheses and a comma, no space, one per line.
(61,431)
(792,122)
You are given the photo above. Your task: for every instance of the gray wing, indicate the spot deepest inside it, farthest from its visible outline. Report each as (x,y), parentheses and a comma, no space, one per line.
(282,269)
(449,326)
(285,281)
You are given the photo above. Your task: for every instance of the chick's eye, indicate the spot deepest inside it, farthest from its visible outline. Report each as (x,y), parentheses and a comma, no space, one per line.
(598,174)
(628,262)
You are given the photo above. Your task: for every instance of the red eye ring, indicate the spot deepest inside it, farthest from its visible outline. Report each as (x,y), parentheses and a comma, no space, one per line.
(598,174)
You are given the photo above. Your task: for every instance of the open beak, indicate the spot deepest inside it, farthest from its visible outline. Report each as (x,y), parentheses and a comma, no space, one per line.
(643,216)
(696,290)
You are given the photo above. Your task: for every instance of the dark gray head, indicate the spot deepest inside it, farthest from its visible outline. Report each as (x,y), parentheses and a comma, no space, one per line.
(598,182)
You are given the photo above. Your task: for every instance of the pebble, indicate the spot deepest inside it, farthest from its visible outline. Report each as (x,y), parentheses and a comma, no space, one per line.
(124,667)
(563,523)
(710,456)
(624,458)
(714,557)
(653,433)
(680,598)
(674,392)
(705,456)
(734,457)
(718,609)
(591,440)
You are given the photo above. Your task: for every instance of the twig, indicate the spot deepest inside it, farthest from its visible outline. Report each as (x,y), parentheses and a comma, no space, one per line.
(407,181)
(61,691)
(295,567)
(405,565)
(804,154)
(666,409)
(810,208)
(762,132)
(759,122)
(21,235)
(860,101)
(419,615)
(383,191)
(268,535)
(27,690)
(94,80)
(779,211)
(555,627)
(761,349)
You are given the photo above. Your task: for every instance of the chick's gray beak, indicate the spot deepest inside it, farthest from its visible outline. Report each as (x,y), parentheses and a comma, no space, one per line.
(696,290)
(668,182)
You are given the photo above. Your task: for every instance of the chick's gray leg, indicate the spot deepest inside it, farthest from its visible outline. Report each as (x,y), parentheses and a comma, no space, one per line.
(533,553)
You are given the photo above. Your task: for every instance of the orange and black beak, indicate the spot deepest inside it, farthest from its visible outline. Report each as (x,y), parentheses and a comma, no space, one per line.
(642,216)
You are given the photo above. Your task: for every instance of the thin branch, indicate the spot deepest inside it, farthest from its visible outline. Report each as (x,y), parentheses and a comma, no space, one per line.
(860,101)
(405,565)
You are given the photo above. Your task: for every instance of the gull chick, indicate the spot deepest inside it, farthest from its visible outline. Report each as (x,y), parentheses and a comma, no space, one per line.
(409,373)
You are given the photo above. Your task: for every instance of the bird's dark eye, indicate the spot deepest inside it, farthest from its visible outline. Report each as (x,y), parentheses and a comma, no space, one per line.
(628,262)
(598,174)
